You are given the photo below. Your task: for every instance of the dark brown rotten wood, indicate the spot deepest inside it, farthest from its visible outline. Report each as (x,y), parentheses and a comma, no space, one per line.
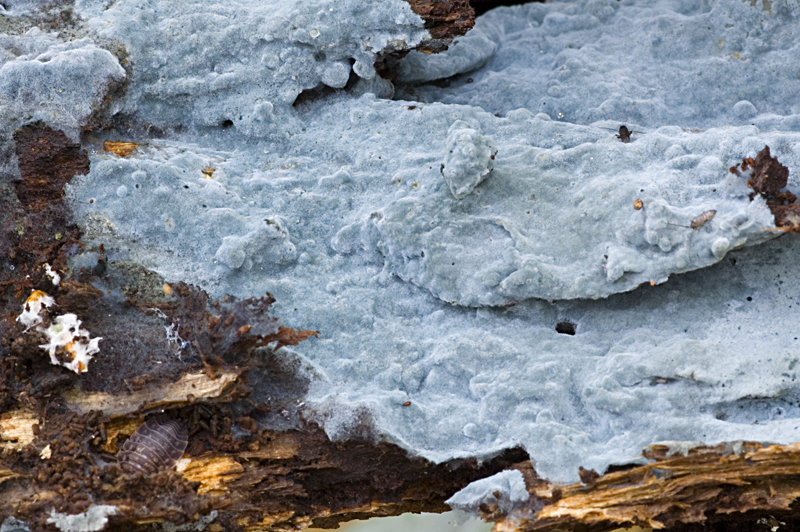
(266,480)
(444,20)
(730,485)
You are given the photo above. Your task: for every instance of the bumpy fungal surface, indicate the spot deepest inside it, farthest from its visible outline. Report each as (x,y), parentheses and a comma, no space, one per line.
(60,83)
(469,159)
(243,63)
(338,207)
(584,61)
(155,445)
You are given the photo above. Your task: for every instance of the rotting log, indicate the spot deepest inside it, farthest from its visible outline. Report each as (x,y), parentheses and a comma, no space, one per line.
(252,457)
(268,480)
(731,487)
(216,367)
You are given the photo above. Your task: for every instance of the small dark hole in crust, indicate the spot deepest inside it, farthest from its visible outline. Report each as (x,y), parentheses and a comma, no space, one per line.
(565,327)
(227,124)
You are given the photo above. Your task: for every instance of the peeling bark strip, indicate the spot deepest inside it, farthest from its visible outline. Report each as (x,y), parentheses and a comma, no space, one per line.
(708,486)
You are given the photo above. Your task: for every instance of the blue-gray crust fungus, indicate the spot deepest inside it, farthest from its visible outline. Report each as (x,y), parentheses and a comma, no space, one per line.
(431,279)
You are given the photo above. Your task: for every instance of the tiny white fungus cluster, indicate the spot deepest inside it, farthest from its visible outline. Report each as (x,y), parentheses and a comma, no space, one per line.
(37,302)
(64,332)
(53,275)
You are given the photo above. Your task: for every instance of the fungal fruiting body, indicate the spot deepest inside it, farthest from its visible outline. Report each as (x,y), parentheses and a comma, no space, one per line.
(157,444)
(65,338)
(32,310)
(65,334)
(52,274)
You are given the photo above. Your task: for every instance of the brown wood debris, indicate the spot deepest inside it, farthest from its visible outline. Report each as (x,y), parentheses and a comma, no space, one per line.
(708,485)
(120,149)
(269,480)
(767,176)
(47,161)
(175,394)
(214,473)
(16,429)
(445,19)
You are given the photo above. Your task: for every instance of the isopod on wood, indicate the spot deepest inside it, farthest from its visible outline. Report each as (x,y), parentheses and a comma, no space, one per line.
(157,444)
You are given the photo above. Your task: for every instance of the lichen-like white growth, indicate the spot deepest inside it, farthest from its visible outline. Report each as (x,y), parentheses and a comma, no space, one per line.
(198,525)
(506,489)
(64,333)
(92,520)
(173,338)
(37,302)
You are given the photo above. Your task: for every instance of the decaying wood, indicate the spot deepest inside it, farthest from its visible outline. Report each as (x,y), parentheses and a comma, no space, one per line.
(706,485)
(214,473)
(261,481)
(188,389)
(16,429)
(251,456)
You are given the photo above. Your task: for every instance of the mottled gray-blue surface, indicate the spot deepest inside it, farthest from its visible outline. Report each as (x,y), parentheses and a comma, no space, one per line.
(336,202)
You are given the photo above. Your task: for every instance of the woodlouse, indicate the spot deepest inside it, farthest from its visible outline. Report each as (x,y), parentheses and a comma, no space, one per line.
(157,444)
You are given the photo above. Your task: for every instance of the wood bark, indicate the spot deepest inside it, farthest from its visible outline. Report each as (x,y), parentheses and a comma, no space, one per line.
(262,480)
